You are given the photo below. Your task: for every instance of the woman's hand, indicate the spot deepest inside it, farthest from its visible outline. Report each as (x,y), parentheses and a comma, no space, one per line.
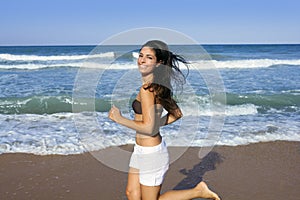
(114,114)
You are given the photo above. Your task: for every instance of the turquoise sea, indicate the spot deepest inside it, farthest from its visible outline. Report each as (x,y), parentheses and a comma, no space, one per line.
(49,94)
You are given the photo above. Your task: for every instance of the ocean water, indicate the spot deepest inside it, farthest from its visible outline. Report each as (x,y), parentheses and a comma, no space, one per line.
(55,99)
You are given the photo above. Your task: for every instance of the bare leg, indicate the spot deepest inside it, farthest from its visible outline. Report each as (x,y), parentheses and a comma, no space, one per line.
(150,192)
(133,189)
(200,191)
(205,192)
(136,191)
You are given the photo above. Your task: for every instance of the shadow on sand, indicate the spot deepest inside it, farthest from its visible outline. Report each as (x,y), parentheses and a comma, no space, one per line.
(195,175)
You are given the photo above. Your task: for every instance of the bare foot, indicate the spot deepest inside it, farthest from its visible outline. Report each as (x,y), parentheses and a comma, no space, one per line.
(205,192)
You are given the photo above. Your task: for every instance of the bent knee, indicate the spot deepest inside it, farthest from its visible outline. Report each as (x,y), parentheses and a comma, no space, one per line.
(133,194)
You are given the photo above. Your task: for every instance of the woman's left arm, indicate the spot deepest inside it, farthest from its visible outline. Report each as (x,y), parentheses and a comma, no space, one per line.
(170,118)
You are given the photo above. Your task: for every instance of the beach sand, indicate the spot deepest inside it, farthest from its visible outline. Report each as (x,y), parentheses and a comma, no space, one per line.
(262,171)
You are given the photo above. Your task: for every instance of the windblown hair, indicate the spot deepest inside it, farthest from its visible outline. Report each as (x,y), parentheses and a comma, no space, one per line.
(166,74)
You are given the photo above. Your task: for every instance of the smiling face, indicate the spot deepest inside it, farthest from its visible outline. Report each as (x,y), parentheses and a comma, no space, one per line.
(147,61)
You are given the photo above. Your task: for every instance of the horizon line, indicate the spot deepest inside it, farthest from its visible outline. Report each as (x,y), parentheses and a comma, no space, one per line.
(40,45)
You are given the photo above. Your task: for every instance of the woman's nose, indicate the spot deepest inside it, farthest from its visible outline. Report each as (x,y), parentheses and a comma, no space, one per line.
(142,59)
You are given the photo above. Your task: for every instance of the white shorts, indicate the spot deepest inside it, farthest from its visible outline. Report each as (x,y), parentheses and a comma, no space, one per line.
(152,163)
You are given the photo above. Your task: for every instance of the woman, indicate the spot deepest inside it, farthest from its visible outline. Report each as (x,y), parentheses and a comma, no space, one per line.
(150,160)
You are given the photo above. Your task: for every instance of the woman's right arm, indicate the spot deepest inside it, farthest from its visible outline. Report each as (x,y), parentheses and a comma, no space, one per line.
(149,125)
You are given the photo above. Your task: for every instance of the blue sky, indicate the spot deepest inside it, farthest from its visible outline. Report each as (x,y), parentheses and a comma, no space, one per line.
(59,22)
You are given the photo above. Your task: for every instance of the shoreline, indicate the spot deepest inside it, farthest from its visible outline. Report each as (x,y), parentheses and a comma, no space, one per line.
(266,170)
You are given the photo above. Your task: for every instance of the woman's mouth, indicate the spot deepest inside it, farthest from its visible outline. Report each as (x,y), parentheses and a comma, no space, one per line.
(143,66)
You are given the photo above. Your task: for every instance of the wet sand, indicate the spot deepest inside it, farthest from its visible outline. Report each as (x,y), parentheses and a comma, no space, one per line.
(259,171)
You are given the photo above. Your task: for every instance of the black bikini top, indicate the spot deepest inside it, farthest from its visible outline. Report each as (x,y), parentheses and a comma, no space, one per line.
(137,107)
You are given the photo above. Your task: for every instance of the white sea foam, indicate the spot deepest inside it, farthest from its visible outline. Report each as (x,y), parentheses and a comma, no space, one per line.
(57,133)
(95,65)
(250,63)
(11,57)
(246,109)
(90,62)
(135,55)
(201,106)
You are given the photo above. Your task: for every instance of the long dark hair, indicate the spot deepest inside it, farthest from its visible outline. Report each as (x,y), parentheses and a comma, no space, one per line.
(166,74)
